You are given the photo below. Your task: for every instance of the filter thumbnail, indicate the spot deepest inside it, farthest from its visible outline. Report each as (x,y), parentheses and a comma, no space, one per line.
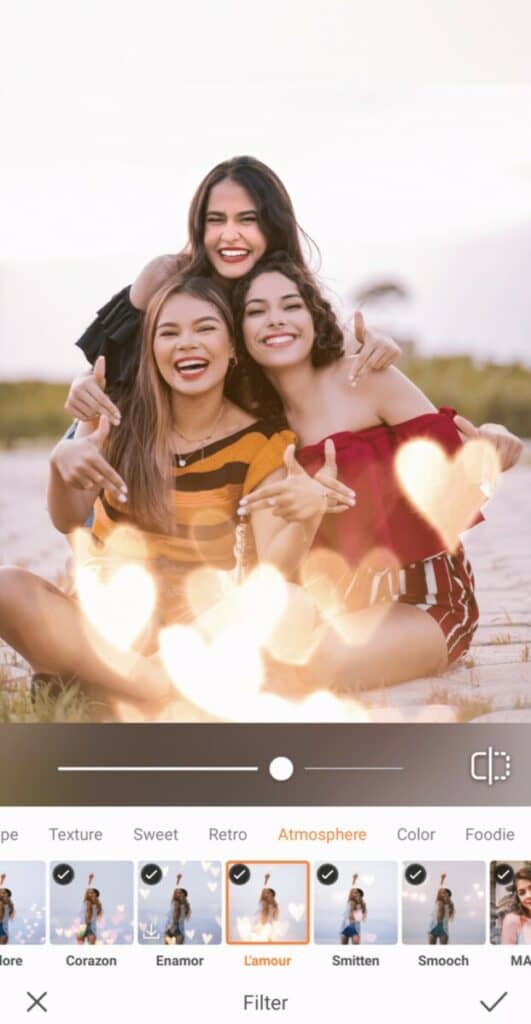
(268,902)
(179,902)
(22,903)
(91,903)
(510,903)
(443,903)
(355,903)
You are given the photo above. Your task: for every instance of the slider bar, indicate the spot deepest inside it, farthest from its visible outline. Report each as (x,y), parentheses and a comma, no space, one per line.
(353,768)
(154,768)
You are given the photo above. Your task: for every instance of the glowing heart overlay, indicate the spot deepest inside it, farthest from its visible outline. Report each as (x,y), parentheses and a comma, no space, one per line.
(119,604)
(120,608)
(296,911)
(217,663)
(447,491)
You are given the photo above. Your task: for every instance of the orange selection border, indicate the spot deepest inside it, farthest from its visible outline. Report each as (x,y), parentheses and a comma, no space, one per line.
(238,942)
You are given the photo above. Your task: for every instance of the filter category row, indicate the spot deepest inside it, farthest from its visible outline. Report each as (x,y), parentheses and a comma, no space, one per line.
(202,903)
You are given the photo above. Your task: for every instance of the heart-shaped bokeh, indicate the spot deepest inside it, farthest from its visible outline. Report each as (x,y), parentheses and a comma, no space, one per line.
(296,911)
(117,595)
(217,663)
(448,491)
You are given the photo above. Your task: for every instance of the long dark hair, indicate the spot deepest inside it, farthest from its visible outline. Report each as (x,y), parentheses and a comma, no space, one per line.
(139,448)
(276,216)
(180,898)
(441,894)
(98,905)
(356,897)
(264,905)
(6,894)
(328,344)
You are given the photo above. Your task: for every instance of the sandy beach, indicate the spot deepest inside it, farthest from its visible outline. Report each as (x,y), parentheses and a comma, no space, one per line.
(492,682)
(27,537)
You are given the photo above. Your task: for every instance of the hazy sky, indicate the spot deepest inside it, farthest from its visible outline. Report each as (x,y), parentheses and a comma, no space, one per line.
(399,130)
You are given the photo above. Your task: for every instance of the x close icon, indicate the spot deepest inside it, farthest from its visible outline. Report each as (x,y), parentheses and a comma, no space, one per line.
(36,1001)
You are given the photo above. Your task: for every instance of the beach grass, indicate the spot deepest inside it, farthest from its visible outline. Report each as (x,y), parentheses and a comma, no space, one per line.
(484,392)
(32,410)
(50,701)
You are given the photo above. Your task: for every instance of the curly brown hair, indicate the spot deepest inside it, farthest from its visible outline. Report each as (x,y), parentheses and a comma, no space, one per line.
(328,345)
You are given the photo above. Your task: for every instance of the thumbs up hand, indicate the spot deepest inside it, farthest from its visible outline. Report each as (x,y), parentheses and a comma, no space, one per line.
(508,446)
(100,434)
(339,496)
(98,372)
(299,496)
(87,399)
(81,465)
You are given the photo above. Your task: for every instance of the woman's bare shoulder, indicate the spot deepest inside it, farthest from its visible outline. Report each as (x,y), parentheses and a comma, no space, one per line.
(393,396)
(372,380)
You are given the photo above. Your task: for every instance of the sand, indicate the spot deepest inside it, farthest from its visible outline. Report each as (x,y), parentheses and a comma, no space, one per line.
(492,682)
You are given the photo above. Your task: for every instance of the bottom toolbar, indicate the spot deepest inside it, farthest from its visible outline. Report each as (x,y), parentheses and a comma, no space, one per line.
(236,912)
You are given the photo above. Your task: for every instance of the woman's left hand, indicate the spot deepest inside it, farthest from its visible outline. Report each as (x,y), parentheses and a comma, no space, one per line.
(507,445)
(300,496)
(340,497)
(377,352)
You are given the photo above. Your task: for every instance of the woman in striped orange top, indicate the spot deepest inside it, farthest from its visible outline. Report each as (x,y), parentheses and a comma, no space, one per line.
(174,469)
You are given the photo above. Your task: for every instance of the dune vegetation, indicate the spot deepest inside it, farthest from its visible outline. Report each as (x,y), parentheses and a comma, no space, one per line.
(33,411)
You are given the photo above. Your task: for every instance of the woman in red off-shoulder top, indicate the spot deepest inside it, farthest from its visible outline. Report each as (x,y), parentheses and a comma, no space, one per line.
(408,606)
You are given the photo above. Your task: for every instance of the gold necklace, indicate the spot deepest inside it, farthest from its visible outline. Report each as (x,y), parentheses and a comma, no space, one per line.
(201,441)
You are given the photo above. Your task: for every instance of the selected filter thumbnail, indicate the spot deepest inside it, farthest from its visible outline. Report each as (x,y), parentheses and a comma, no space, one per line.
(268,902)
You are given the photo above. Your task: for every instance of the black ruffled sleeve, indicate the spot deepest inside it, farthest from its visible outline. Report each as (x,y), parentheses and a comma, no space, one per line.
(115,334)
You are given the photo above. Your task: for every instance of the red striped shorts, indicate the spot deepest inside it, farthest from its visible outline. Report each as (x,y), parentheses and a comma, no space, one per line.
(443,586)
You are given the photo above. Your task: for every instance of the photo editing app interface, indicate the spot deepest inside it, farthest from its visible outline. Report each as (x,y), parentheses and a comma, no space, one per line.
(265,543)
(242,870)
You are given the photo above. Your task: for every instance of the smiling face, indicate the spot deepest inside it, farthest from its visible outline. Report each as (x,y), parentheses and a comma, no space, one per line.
(277,325)
(233,240)
(523,892)
(192,345)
